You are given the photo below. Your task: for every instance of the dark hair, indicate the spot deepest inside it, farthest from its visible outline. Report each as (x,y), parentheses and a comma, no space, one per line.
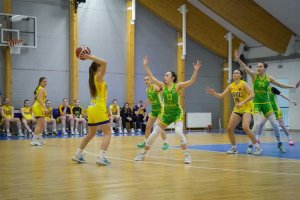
(265,65)
(92,70)
(40,80)
(25,101)
(115,100)
(174,75)
(241,72)
(47,101)
(65,99)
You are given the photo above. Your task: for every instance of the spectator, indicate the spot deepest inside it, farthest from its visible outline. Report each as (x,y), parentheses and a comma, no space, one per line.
(114,112)
(126,114)
(7,113)
(49,118)
(140,116)
(27,116)
(66,115)
(77,113)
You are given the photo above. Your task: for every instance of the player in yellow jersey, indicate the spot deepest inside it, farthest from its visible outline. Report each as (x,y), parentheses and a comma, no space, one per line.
(28,118)
(39,109)
(243,109)
(49,118)
(115,116)
(97,112)
(7,113)
(262,105)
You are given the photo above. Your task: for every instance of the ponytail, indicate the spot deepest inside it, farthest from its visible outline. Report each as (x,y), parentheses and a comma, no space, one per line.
(40,80)
(92,71)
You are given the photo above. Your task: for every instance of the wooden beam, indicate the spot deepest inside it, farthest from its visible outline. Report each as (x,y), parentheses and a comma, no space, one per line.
(227,99)
(8,78)
(130,55)
(253,20)
(73,58)
(181,71)
(200,27)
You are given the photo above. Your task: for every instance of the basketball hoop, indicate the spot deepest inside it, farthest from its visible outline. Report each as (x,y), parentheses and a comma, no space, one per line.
(15,46)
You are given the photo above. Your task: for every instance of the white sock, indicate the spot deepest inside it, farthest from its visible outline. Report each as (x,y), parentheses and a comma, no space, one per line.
(234,146)
(165,141)
(102,153)
(35,137)
(256,145)
(19,131)
(7,131)
(78,152)
(64,129)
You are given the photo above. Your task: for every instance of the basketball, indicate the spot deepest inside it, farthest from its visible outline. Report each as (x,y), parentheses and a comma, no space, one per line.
(82,50)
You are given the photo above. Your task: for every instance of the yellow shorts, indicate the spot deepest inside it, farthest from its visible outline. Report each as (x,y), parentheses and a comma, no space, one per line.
(38,110)
(244,110)
(97,114)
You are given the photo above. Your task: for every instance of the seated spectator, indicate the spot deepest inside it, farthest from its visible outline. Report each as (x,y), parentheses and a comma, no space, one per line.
(140,116)
(77,113)
(126,114)
(7,113)
(49,118)
(114,112)
(66,115)
(27,116)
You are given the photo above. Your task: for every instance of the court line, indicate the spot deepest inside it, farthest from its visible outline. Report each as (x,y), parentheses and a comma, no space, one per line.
(198,167)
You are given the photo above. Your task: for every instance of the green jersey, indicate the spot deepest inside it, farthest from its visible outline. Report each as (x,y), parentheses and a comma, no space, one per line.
(154,98)
(261,89)
(171,101)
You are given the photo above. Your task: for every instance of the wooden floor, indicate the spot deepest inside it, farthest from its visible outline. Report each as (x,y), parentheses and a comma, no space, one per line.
(48,173)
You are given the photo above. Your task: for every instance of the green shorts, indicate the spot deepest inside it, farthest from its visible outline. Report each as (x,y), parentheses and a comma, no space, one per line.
(154,113)
(168,119)
(264,108)
(277,111)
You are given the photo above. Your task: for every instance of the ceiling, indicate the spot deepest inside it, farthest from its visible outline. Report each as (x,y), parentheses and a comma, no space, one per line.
(285,11)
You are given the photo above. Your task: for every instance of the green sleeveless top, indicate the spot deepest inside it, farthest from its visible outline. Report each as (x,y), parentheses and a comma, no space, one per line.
(261,89)
(171,101)
(154,98)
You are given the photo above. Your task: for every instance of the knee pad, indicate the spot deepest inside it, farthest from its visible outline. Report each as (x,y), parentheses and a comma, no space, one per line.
(156,131)
(180,135)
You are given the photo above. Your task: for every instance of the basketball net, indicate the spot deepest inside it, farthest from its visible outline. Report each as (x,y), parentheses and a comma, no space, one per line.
(15,46)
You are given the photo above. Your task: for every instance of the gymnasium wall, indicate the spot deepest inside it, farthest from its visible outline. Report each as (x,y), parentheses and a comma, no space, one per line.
(102,26)
(1,60)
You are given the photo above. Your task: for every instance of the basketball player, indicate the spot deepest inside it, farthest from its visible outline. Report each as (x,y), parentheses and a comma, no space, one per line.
(154,97)
(97,112)
(49,118)
(272,91)
(27,116)
(39,109)
(243,109)
(172,111)
(261,82)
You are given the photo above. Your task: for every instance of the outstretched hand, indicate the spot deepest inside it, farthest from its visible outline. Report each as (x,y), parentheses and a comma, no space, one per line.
(146,60)
(197,65)
(210,91)
(236,55)
(85,56)
(293,102)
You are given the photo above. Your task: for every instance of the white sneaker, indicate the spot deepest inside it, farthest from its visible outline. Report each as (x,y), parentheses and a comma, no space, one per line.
(64,133)
(21,134)
(132,130)
(8,134)
(139,130)
(72,133)
(120,131)
(140,156)
(125,130)
(76,132)
(112,131)
(35,143)
(257,150)
(187,159)
(46,132)
(102,161)
(79,158)
(232,151)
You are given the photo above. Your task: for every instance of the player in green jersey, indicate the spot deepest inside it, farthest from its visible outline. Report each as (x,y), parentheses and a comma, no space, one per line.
(172,111)
(262,105)
(273,92)
(154,97)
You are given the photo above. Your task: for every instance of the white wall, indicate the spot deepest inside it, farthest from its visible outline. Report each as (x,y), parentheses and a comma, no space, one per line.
(287,69)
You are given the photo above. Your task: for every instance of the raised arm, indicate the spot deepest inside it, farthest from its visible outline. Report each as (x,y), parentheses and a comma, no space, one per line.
(193,79)
(243,65)
(160,84)
(216,94)
(275,82)
(287,98)
(103,63)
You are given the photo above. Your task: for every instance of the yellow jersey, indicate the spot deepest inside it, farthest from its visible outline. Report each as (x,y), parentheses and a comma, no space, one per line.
(8,111)
(49,113)
(27,111)
(239,94)
(37,93)
(114,109)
